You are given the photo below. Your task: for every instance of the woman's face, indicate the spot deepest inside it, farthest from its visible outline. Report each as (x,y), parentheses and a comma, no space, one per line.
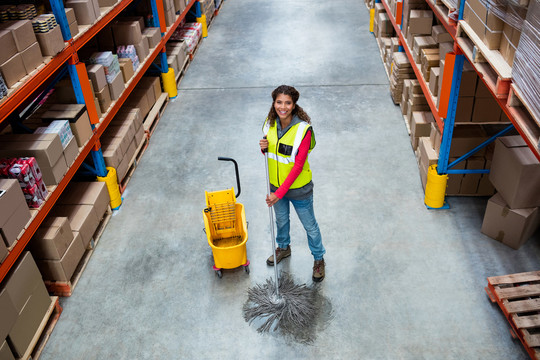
(284,106)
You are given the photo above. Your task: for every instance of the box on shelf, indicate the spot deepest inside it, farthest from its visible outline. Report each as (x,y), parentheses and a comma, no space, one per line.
(153,35)
(465,138)
(23,33)
(104,99)
(96,74)
(50,43)
(13,70)
(7,44)
(142,49)
(420,22)
(127,32)
(29,320)
(107,3)
(116,86)
(16,216)
(63,268)
(78,119)
(84,10)
(87,193)
(82,219)
(434,80)
(21,281)
(440,34)
(515,173)
(51,239)
(464,109)
(112,151)
(420,126)
(512,227)
(486,110)
(60,127)
(32,57)
(469,183)
(126,66)
(8,314)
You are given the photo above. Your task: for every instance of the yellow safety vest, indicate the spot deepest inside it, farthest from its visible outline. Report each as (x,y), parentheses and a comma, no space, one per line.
(282,153)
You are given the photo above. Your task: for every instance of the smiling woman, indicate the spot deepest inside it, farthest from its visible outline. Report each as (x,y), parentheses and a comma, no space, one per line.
(289,138)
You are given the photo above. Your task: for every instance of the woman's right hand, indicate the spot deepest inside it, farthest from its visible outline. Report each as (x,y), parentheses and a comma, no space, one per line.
(263,143)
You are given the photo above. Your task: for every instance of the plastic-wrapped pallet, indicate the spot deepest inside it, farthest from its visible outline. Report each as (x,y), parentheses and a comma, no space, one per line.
(526,70)
(190,33)
(129,52)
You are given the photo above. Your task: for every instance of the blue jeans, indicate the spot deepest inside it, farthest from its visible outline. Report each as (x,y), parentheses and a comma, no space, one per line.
(304,210)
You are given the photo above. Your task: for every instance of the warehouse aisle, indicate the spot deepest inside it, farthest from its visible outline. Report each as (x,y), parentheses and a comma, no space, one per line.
(402,282)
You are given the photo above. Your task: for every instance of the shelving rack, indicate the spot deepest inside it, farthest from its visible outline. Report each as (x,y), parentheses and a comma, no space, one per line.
(496,79)
(68,57)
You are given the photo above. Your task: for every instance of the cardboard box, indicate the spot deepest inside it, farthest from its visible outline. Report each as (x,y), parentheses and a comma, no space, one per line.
(70,15)
(22,31)
(84,11)
(5,352)
(104,99)
(116,87)
(22,280)
(107,3)
(32,57)
(11,196)
(82,219)
(469,184)
(7,44)
(515,173)
(8,314)
(464,109)
(486,110)
(127,33)
(469,78)
(440,34)
(63,269)
(78,119)
(46,148)
(139,101)
(428,156)
(130,115)
(153,35)
(50,43)
(35,309)
(512,227)
(126,66)
(482,91)
(87,193)
(70,152)
(13,70)
(139,136)
(465,138)
(420,22)
(74,28)
(142,48)
(112,151)
(51,239)
(453,185)
(434,80)
(96,74)
(16,223)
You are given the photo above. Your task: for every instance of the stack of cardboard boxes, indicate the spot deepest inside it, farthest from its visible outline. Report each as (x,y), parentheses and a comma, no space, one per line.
(20,53)
(63,237)
(177,55)
(208,8)
(14,215)
(121,140)
(24,303)
(401,70)
(512,215)
(86,11)
(413,99)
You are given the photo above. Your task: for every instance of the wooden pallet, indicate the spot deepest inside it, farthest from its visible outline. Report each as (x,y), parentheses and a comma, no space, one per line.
(152,119)
(44,331)
(518,296)
(192,53)
(133,164)
(489,63)
(527,122)
(65,288)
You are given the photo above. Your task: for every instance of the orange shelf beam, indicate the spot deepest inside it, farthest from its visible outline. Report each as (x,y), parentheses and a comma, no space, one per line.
(417,71)
(90,145)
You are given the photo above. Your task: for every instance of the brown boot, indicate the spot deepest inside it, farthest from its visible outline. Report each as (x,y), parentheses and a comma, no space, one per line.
(318,270)
(280,254)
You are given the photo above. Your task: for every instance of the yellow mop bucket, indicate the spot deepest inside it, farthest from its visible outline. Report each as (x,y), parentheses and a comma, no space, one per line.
(226,227)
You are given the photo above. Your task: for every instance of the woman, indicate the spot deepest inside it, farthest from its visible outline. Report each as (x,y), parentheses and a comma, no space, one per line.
(289,139)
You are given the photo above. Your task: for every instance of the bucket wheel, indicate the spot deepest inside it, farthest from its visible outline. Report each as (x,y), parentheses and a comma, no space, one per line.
(219,274)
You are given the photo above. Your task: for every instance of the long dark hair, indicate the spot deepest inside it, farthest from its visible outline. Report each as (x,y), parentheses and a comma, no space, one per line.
(294,94)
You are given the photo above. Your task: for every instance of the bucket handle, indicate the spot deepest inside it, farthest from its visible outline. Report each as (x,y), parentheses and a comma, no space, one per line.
(236,171)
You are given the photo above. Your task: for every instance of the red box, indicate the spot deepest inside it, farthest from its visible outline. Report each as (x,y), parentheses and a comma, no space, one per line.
(5,165)
(21,171)
(34,167)
(33,197)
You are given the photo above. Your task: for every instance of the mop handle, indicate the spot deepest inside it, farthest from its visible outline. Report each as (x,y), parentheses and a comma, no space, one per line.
(271,213)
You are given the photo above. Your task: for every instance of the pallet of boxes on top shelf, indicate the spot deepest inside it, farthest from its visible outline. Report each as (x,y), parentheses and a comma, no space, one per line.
(526,70)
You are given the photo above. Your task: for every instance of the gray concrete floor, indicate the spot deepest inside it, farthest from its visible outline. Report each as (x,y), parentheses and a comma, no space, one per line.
(403,282)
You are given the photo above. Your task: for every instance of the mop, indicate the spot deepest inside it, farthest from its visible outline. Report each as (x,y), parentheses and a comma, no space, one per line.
(280,303)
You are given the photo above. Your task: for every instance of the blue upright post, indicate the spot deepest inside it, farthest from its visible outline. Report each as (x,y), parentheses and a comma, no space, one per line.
(448,130)
(155,20)
(60,15)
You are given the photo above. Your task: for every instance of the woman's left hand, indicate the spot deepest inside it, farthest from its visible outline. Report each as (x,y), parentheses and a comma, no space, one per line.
(271,199)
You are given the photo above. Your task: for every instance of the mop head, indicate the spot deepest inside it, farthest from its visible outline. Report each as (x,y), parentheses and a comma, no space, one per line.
(294,309)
